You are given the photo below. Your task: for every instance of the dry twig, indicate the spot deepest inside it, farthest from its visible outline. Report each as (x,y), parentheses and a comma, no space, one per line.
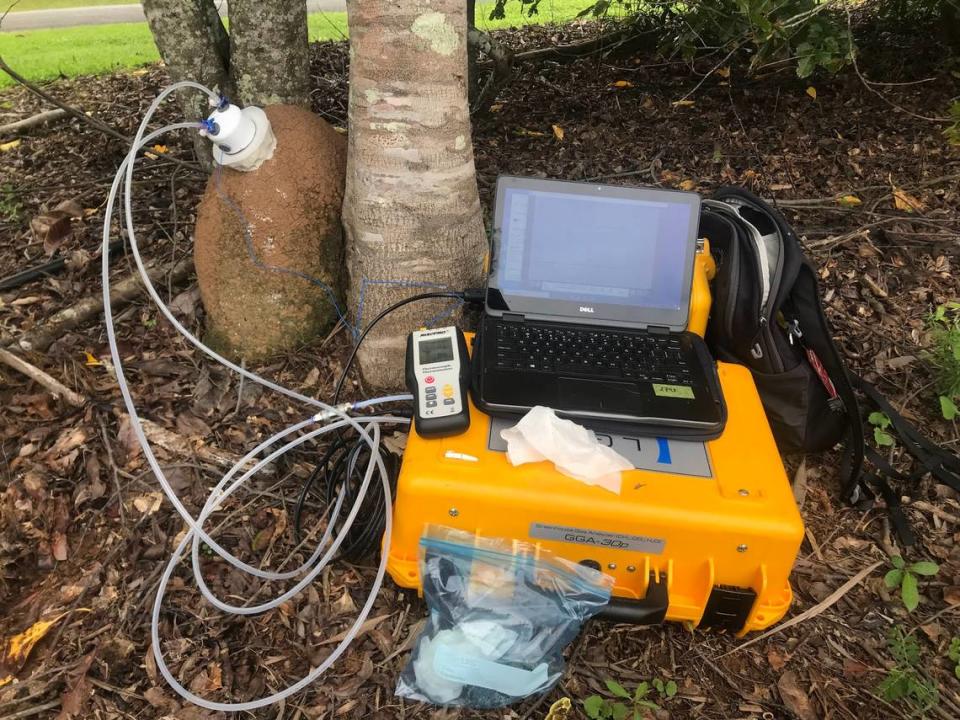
(812,612)
(37,375)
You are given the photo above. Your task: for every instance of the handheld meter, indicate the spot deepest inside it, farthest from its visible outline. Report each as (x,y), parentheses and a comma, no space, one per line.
(438,375)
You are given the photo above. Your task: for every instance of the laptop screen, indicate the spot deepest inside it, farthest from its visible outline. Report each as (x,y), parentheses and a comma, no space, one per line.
(595,252)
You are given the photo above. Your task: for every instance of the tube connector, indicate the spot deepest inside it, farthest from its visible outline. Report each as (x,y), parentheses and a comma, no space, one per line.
(325,415)
(242,139)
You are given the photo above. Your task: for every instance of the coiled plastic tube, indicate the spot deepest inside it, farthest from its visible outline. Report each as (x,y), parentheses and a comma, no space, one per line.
(367,427)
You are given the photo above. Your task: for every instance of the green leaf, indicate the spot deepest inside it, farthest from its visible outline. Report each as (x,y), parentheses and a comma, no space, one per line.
(925,567)
(620,711)
(947,408)
(898,562)
(617,689)
(637,714)
(909,592)
(878,419)
(592,706)
(658,685)
(882,437)
(671,688)
(643,689)
(956,671)
(954,650)
(893,579)
(648,704)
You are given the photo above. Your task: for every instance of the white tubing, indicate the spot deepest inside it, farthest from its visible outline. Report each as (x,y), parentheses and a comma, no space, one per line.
(367,427)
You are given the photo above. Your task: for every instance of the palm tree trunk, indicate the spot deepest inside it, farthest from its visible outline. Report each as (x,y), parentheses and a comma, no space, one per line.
(411,209)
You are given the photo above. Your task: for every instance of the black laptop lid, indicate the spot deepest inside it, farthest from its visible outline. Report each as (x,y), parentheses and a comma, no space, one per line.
(597,254)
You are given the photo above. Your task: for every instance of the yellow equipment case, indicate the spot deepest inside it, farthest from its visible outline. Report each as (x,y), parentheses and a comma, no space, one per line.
(703,532)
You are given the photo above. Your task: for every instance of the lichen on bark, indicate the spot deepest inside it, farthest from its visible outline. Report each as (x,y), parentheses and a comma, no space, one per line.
(411,210)
(270,51)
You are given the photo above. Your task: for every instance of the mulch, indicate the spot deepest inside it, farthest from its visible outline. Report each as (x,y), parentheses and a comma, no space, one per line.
(82,528)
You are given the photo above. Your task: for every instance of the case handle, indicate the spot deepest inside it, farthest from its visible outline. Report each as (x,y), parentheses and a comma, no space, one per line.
(650,610)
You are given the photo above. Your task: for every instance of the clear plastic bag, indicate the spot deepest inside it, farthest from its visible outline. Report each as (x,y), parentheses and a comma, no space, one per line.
(501,614)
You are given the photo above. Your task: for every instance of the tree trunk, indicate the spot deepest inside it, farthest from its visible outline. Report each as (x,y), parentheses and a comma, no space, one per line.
(191,40)
(270,52)
(411,209)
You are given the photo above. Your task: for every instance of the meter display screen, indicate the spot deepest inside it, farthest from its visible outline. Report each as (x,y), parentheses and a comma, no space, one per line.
(434,351)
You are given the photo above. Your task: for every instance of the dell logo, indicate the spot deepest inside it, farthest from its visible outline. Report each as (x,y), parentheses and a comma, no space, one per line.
(586,309)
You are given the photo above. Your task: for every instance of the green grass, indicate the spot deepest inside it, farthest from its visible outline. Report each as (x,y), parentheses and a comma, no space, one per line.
(24,5)
(49,54)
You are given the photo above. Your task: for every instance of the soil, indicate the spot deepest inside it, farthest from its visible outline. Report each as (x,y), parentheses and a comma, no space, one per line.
(84,532)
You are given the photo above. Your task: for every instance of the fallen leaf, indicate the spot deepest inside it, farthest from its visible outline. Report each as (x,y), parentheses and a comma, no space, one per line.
(58,545)
(128,441)
(185,303)
(160,149)
(312,378)
(159,699)
(15,650)
(560,710)
(623,84)
(812,92)
(214,677)
(52,229)
(849,201)
(800,484)
(12,145)
(776,660)
(951,595)
(190,425)
(71,208)
(92,361)
(854,668)
(723,72)
(343,605)
(795,699)
(688,185)
(557,132)
(79,690)
(683,103)
(905,202)
(148,503)
(648,103)
(496,107)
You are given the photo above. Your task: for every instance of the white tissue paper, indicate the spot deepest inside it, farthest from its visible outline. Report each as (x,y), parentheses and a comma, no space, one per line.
(574,450)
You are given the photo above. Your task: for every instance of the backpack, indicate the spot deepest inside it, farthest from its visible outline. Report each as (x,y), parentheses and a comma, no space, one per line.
(767,315)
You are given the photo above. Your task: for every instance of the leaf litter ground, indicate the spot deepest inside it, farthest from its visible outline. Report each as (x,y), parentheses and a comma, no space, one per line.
(84,532)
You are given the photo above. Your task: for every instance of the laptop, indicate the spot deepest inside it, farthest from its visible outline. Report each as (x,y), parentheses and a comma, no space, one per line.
(587,307)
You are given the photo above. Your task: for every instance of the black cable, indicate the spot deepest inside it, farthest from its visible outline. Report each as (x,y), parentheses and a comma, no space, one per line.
(383,313)
(341,468)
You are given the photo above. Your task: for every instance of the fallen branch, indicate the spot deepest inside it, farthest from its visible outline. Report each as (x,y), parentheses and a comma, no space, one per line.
(572,51)
(37,375)
(176,444)
(812,612)
(120,294)
(33,121)
(102,127)
(502,60)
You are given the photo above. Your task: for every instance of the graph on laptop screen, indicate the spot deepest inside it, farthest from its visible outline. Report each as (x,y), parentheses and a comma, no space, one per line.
(607,250)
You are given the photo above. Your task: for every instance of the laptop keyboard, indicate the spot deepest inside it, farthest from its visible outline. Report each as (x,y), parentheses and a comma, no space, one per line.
(642,357)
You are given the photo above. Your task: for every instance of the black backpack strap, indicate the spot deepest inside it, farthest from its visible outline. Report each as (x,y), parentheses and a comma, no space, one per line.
(941,464)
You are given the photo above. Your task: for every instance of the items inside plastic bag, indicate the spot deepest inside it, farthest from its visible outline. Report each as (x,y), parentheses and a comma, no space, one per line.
(501,613)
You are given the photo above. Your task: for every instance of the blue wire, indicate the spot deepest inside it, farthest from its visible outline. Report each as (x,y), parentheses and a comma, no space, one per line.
(331,296)
(251,252)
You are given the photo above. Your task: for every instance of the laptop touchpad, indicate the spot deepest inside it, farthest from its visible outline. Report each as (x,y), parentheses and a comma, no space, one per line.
(579,394)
